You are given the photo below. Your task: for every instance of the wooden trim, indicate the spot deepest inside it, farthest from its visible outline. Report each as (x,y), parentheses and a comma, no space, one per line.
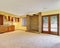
(49,26)
(58,24)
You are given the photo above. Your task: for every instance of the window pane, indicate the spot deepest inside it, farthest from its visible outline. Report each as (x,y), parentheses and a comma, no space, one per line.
(54,23)
(45,23)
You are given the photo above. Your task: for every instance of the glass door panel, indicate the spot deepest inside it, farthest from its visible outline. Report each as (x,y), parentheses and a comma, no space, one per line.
(54,27)
(50,24)
(45,23)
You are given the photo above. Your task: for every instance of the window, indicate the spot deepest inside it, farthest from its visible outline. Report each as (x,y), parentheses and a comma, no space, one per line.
(23,21)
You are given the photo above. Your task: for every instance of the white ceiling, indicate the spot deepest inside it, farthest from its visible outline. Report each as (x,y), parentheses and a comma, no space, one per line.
(21,7)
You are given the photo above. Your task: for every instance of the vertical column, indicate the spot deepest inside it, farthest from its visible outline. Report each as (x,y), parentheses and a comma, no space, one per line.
(40,22)
(28,22)
(59,24)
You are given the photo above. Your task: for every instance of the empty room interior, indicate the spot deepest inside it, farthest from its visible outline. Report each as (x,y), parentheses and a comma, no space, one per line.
(29,23)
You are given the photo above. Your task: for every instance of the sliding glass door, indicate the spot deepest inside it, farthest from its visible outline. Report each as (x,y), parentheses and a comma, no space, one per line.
(50,24)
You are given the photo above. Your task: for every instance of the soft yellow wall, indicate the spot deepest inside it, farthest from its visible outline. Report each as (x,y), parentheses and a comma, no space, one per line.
(7,14)
(18,25)
(51,12)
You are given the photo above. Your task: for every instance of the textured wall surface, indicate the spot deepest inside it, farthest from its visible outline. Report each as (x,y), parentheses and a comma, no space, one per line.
(34,22)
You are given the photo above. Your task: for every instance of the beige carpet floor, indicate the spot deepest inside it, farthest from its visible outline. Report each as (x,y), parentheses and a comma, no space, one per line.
(22,39)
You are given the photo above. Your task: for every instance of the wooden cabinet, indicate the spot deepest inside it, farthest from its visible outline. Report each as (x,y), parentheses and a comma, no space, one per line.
(4,29)
(11,28)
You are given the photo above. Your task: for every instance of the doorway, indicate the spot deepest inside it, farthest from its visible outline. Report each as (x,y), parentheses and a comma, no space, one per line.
(50,24)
